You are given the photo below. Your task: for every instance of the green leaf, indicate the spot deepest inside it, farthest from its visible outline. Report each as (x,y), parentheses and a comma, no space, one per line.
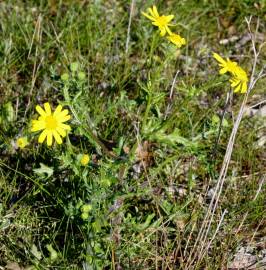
(172,138)
(53,253)
(215,119)
(44,170)
(97,225)
(146,224)
(35,252)
(9,112)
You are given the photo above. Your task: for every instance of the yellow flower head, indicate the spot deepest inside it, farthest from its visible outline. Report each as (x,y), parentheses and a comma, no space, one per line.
(22,142)
(226,65)
(84,159)
(239,80)
(161,21)
(177,40)
(51,123)
(239,77)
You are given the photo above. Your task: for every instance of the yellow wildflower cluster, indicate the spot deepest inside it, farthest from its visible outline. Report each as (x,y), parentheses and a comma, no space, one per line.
(52,124)
(239,77)
(163,23)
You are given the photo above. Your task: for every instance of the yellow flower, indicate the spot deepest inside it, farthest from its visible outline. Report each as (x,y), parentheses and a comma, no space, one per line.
(226,65)
(239,81)
(22,142)
(239,77)
(161,21)
(51,123)
(177,40)
(84,159)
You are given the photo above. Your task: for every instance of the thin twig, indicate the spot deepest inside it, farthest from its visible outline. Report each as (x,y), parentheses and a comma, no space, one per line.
(213,237)
(57,39)
(258,104)
(37,33)
(221,125)
(171,95)
(129,24)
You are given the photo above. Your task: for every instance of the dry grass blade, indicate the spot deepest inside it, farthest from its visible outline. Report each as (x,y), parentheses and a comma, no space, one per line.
(129,24)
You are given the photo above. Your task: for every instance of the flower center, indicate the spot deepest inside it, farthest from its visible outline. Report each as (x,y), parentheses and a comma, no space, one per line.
(162,20)
(176,38)
(231,66)
(51,122)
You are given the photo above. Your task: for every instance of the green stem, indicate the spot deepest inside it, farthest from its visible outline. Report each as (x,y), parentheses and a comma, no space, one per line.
(148,107)
(152,47)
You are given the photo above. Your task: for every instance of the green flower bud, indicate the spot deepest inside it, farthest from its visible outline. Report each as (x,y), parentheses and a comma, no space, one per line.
(81,75)
(84,216)
(74,66)
(64,77)
(86,208)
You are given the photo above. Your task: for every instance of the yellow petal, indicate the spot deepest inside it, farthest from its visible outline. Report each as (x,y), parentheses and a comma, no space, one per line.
(42,136)
(237,89)
(47,108)
(223,70)
(49,138)
(150,11)
(57,137)
(37,125)
(58,110)
(66,127)
(163,32)
(41,118)
(61,131)
(155,11)
(65,118)
(219,58)
(234,82)
(40,110)
(169,18)
(62,116)
(63,113)
(168,30)
(148,16)
(244,88)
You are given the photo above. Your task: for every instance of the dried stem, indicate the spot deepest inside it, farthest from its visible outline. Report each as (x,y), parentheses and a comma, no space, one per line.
(38,36)
(129,24)
(171,95)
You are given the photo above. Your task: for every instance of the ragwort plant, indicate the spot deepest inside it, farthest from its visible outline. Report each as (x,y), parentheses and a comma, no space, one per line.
(119,181)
